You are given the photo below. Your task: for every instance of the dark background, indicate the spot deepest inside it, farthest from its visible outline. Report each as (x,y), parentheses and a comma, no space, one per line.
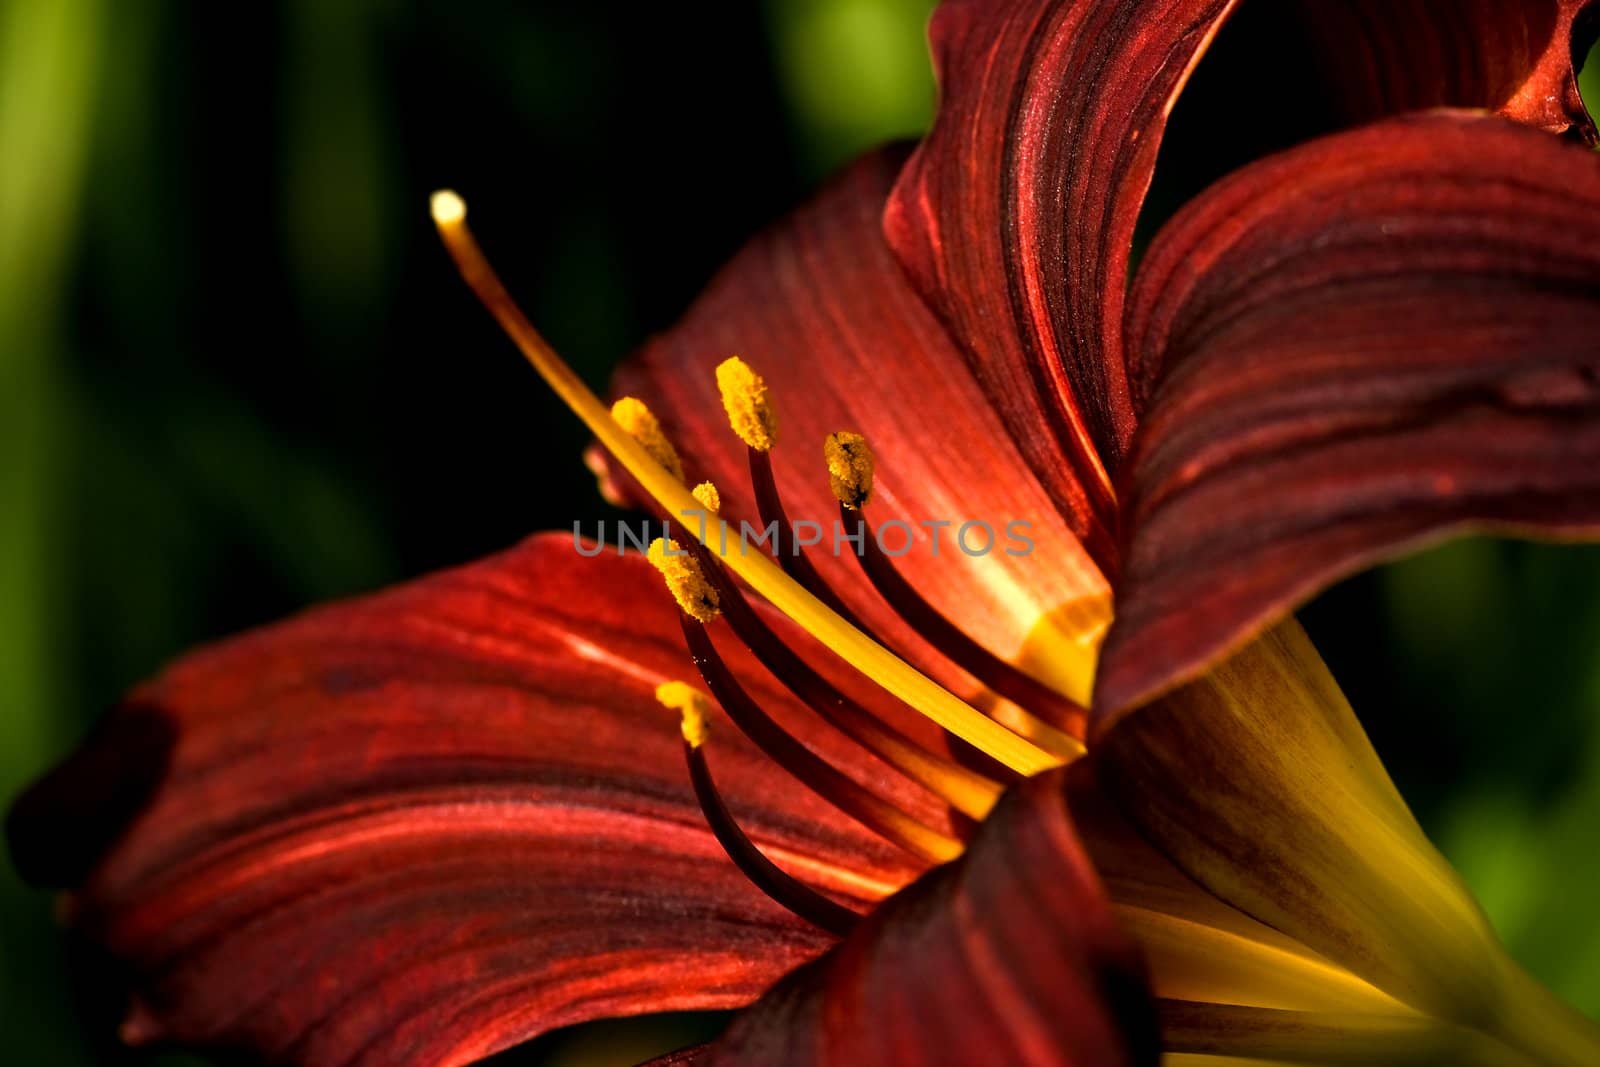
(237,375)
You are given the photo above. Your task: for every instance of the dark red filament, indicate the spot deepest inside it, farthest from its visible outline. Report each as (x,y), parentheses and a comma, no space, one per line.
(771,879)
(817,774)
(804,681)
(795,563)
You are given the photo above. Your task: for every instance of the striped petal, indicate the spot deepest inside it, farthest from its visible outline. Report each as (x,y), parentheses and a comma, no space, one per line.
(1384,57)
(1016,215)
(1343,352)
(432,823)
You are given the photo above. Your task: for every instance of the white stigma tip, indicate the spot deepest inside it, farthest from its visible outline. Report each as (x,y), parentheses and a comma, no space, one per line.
(448,208)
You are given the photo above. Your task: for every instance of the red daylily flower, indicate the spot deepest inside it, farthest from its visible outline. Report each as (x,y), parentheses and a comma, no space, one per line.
(429,824)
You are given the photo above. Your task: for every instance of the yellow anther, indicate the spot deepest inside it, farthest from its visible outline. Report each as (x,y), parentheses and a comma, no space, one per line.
(694,594)
(744,398)
(643,426)
(708,496)
(850,467)
(690,703)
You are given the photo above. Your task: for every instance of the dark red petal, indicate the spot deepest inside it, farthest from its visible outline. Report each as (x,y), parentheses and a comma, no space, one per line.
(1008,955)
(1016,215)
(820,308)
(432,823)
(1383,57)
(1379,338)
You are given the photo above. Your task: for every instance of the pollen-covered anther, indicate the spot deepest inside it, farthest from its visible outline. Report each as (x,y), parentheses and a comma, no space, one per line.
(641,424)
(686,581)
(693,705)
(709,498)
(744,398)
(850,467)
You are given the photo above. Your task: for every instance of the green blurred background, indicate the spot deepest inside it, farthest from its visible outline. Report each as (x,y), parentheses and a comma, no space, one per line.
(238,376)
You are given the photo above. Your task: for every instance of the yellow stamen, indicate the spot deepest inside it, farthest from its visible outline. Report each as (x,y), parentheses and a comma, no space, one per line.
(708,496)
(694,594)
(765,577)
(643,426)
(744,398)
(690,703)
(850,466)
